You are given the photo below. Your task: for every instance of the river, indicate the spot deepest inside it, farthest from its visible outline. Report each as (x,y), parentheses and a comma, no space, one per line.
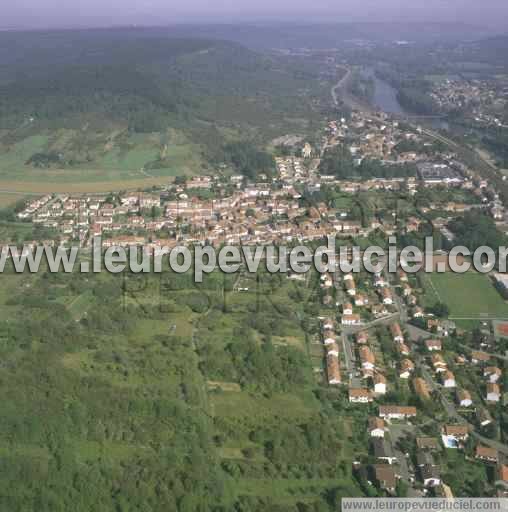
(385,99)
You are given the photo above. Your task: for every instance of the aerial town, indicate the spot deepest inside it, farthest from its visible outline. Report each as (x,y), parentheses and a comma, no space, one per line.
(166,387)
(276,209)
(379,337)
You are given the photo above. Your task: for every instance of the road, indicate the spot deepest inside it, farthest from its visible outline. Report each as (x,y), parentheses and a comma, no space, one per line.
(399,431)
(341,90)
(347,349)
(342,83)
(491,354)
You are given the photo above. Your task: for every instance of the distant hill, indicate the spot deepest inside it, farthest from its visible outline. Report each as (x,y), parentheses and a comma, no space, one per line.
(136,102)
(330,35)
(492,50)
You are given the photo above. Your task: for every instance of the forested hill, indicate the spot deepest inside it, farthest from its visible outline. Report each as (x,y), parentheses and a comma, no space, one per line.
(112,77)
(121,100)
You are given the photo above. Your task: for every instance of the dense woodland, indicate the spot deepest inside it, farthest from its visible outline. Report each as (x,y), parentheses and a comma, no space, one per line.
(107,407)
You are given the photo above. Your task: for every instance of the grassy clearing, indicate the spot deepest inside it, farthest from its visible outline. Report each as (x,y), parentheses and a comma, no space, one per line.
(246,407)
(224,386)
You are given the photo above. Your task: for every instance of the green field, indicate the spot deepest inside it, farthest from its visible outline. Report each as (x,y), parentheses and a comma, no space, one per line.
(113,158)
(469,296)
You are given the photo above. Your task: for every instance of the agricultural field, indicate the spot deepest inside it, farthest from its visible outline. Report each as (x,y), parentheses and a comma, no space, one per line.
(11,198)
(469,296)
(100,161)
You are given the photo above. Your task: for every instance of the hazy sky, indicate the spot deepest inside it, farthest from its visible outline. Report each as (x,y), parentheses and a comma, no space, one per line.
(46,13)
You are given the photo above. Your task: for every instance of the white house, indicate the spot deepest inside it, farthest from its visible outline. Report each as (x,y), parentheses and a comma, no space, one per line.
(433,345)
(347,309)
(464,398)
(359,395)
(379,384)
(493,392)
(492,374)
(328,324)
(406,368)
(376,427)
(350,320)
(449,379)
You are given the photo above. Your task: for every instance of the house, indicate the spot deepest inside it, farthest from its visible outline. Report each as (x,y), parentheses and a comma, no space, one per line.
(433,345)
(493,392)
(347,309)
(379,384)
(396,412)
(492,373)
(333,369)
(460,360)
(484,417)
(406,368)
(430,475)
(402,276)
(502,475)
(350,288)
(478,357)
(350,320)
(329,337)
(385,478)
(361,300)
(421,388)
(486,454)
(438,363)
(456,432)
(448,379)
(362,337)
(386,295)
(464,398)
(367,358)
(396,332)
(332,349)
(376,427)
(406,290)
(326,281)
(383,450)
(328,324)
(359,395)
(417,312)
(379,310)
(403,349)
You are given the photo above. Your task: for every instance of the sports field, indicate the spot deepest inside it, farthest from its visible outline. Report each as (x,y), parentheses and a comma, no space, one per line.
(469,296)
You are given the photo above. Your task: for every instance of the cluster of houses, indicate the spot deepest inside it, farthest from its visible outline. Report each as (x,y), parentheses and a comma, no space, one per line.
(332,352)
(379,308)
(385,469)
(369,372)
